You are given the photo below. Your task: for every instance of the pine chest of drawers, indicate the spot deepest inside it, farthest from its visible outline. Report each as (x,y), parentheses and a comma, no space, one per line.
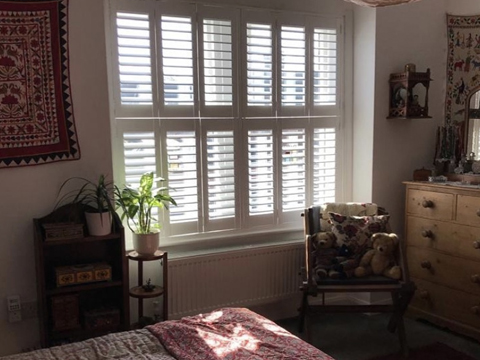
(443,254)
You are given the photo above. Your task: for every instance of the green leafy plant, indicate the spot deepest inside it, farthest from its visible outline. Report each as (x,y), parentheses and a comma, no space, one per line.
(95,196)
(137,204)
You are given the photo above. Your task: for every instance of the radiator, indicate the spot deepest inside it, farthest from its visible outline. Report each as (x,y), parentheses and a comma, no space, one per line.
(246,277)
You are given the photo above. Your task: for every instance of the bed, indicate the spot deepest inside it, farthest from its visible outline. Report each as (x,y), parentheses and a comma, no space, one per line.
(229,333)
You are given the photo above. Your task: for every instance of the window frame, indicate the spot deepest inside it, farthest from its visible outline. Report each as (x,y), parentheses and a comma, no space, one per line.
(242,116)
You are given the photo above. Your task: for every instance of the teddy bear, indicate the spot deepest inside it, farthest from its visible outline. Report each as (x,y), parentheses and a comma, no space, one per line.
(324,255)
(345,262)
(380,260)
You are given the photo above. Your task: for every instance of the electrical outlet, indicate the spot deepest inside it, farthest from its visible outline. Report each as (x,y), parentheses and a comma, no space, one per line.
(14,316)
(29,310)
(13,303)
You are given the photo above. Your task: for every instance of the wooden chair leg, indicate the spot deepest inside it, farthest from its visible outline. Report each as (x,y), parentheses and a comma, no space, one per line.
(396,321)
(402,337)
(303,312)
(401,300)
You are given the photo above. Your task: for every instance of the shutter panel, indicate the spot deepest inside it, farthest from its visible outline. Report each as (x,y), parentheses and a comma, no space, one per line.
(293,57)
(260,172)
(217,62)
(259,65)
(324,67)
(221,175)
(134,54)
(324,143)
(139,155)
(293,169)
(177,60)
(182,175)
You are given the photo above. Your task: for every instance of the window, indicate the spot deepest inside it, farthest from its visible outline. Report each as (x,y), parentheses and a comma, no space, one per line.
(240,110)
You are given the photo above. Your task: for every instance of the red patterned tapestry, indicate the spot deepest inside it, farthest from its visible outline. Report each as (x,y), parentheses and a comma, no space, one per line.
(463,64)
(36,112)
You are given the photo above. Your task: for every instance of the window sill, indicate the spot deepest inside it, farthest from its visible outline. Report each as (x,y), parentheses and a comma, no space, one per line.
(231,243)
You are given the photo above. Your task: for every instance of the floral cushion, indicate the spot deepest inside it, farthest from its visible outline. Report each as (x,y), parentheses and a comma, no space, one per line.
(356,231)
(349,208)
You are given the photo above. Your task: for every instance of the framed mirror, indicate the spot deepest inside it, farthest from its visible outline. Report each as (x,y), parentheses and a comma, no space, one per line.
(472,123)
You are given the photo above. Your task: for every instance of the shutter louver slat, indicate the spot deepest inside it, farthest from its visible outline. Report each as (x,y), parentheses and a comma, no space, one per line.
(325,67)
(293,169)
(182,175)
(260,172)
(134,58)
(324,165)
(217,63)
(177,59)
(259,65)
(221,175)
(293,64)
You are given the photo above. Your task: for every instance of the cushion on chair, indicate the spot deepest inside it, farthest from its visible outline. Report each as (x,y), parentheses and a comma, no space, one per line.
(349,209)
(355,231)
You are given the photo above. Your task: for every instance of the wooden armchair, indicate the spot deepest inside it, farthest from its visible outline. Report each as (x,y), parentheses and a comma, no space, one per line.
(315,221)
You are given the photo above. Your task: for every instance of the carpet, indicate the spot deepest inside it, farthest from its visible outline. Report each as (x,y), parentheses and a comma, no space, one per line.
(436,351)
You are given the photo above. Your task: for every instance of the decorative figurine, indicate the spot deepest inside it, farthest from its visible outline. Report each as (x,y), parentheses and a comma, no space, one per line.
(148,287)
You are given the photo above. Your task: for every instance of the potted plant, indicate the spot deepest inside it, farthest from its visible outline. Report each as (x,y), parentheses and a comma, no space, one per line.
(97,199)
(137,205)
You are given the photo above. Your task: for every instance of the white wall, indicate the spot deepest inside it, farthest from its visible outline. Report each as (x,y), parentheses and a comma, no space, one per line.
(412,33)
(30,192)
(363,102)
(463,7)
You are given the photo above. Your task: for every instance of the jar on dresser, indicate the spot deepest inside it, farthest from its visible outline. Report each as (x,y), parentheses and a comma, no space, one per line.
(443,254)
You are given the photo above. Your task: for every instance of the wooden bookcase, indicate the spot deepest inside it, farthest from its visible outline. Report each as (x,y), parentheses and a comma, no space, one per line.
(81,310)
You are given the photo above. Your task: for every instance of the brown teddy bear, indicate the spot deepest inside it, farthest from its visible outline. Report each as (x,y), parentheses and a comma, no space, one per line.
(381,259)
(324,255)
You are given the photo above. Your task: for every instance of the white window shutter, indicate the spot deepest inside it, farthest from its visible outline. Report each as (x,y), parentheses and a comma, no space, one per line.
(261,177)
(176,59)
(134,83)
(181,148)
(293,77)
(293,180)
(217,43)
(220,186)
(324,165)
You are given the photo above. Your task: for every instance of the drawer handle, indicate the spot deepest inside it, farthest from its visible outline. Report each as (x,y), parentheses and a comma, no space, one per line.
(428,204)
(476,244)
(475,310)
(429,234)
(478,212)
(424,294)
(426,264)
(475,278)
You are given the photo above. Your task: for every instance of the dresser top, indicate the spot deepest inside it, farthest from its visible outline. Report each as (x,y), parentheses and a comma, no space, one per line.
(445,185)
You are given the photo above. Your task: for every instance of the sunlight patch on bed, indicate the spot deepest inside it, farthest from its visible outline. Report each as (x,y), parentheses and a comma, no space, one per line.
(238,338)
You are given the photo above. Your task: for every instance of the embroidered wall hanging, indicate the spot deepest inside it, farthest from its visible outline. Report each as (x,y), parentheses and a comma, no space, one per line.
(36,111)
(463,64)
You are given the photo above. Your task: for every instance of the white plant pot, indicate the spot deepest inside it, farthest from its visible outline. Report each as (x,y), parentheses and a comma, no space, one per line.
(146,244)
(99,224)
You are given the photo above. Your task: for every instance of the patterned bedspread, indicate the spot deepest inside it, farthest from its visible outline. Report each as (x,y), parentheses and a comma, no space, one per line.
(128,345)
(232,333)
(227,334)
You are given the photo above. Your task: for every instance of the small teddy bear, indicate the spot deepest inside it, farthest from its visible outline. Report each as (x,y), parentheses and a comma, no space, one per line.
(346,262)
(324,255)
(381,259)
